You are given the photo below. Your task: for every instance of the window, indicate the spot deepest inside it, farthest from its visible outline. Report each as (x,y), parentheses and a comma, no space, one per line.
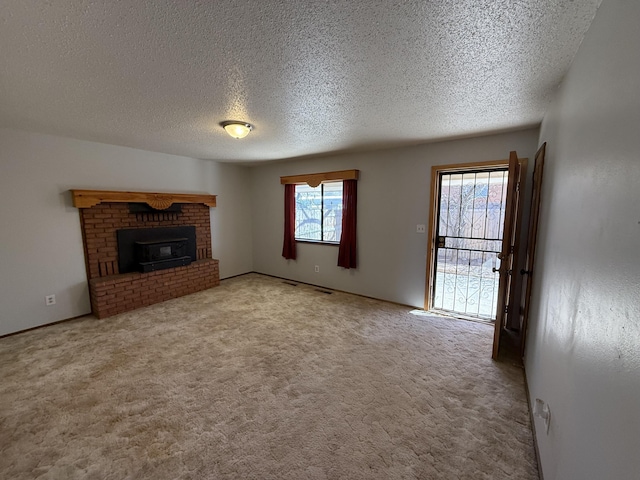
(315,213)
(319,212)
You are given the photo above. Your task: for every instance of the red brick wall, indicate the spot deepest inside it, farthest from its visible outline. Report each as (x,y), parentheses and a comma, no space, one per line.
(121,293)
(113,293)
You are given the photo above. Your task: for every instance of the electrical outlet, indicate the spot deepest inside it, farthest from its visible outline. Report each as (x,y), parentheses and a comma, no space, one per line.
(317,268)
(50,300)
(421,228)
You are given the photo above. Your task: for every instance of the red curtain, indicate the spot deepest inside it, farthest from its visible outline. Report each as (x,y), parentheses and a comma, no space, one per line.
(289,244)
(347,250)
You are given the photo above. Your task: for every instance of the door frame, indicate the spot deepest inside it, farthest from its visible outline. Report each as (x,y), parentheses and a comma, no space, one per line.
(436,170)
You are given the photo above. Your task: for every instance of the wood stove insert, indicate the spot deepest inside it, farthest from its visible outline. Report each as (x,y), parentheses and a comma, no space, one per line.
(150,249)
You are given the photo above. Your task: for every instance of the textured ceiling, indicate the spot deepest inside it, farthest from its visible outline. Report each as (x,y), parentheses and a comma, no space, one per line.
(312,76)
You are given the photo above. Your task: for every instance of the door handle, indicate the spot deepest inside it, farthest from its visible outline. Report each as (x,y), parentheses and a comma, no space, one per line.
(499,270)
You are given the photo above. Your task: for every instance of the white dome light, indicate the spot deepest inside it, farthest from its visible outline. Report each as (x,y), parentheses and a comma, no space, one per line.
(237,129)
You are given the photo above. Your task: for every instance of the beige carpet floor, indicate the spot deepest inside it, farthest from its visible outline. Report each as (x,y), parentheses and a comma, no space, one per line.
(258,379)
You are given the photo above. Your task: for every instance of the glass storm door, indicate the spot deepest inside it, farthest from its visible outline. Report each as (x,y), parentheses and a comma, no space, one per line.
(469,240)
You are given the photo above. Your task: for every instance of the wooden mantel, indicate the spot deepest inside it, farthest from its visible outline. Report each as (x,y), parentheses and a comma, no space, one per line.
(159,201)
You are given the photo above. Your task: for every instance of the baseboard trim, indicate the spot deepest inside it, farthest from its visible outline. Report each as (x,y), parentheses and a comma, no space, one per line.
(412,307)
(45,325)
(83,315)
(237,275)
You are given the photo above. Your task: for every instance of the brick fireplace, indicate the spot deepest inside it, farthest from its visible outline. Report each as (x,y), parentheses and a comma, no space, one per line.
(104,213)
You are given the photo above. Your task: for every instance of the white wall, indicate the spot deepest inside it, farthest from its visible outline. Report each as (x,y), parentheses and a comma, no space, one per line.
(230,220)
(393,197)
(41,250)
(583,349)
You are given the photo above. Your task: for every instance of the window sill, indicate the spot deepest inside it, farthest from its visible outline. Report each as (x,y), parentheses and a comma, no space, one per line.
(318,242)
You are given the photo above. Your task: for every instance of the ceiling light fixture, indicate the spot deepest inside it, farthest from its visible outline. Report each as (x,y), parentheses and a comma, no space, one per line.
(237,129)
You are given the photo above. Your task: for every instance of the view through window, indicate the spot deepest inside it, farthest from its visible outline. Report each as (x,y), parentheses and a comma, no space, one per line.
(319,212)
